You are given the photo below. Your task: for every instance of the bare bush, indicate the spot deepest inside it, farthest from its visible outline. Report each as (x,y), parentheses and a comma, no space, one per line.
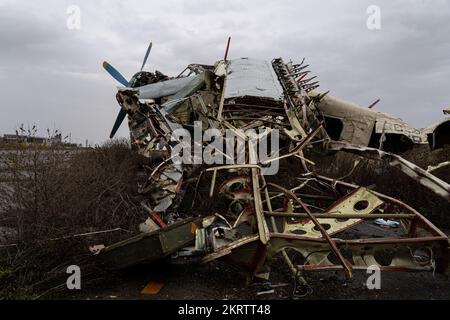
(48,195)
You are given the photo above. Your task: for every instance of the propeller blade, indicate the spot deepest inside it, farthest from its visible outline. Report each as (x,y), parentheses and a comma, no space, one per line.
(115,74)
(146,55)
(122,114)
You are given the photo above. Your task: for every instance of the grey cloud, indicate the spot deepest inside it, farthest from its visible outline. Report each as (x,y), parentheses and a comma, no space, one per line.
(51,75)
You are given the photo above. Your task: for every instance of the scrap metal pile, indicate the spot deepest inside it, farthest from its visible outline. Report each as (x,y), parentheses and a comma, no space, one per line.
(235,212)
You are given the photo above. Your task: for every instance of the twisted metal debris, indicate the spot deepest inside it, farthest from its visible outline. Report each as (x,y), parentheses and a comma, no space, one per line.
(233,212)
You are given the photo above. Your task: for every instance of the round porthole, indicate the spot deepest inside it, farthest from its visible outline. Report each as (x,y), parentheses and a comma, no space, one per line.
(361,205)
(326,226)
(422,256)
(299,232)
(235,187)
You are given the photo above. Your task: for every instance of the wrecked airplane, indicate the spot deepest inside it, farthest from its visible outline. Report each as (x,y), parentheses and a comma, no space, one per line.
(346,121)
(234,211)
(438,135)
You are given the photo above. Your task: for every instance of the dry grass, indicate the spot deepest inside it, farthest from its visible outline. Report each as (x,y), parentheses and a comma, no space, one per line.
(47,195)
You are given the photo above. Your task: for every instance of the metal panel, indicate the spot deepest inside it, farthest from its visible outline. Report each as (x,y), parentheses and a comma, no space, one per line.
(251,77)
(385,124)
(149,247)
(344,205)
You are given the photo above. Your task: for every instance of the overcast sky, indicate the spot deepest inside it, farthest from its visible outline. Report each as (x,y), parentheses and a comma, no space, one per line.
(52,76)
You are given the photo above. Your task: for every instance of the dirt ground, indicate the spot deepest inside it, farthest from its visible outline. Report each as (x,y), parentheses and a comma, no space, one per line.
(218,281)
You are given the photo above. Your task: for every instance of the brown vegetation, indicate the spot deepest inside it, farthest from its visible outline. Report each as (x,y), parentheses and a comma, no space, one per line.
(48,197)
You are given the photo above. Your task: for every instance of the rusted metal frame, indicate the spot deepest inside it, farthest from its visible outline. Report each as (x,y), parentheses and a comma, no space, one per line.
(196,188)
(369,241)
(72,236)
(236,131)
(302,82)
(254,119)
(227,49)
(342,215)
(158,167)
(298,148)
(292,112)
(296,241)
(294,189)
(316,196)
(296,71)
(155,117)
(301,95)
(293,118)
(256,106)
(342,199)
(198,144)
(213,184)
(227,249)
(222,98)
(298,65)
(425,178)
(256,172)
(307,196)
(310,87)
(179,75)
(307,139)
(153,130)
(234,166)
(429,226)
(259,259)
(163,122)
(286,258)
(412,232)
(255,109)
(324,233)
(315,188)
(210,117)
(310,268)
(438,166)
(294,154)
(213,169)
(441,242)
(301,76)
(148,117)
(204,109)
(269,203)
(282,72)
(249,114)
(257,123)
(415,172)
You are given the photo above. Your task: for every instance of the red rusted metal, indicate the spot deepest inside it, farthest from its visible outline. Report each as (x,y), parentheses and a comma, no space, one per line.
(330,241)
(226,51)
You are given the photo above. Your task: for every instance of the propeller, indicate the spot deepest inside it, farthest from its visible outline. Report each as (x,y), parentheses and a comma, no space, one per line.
(115,74)
(122,114)
(146,55)
(121,79)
